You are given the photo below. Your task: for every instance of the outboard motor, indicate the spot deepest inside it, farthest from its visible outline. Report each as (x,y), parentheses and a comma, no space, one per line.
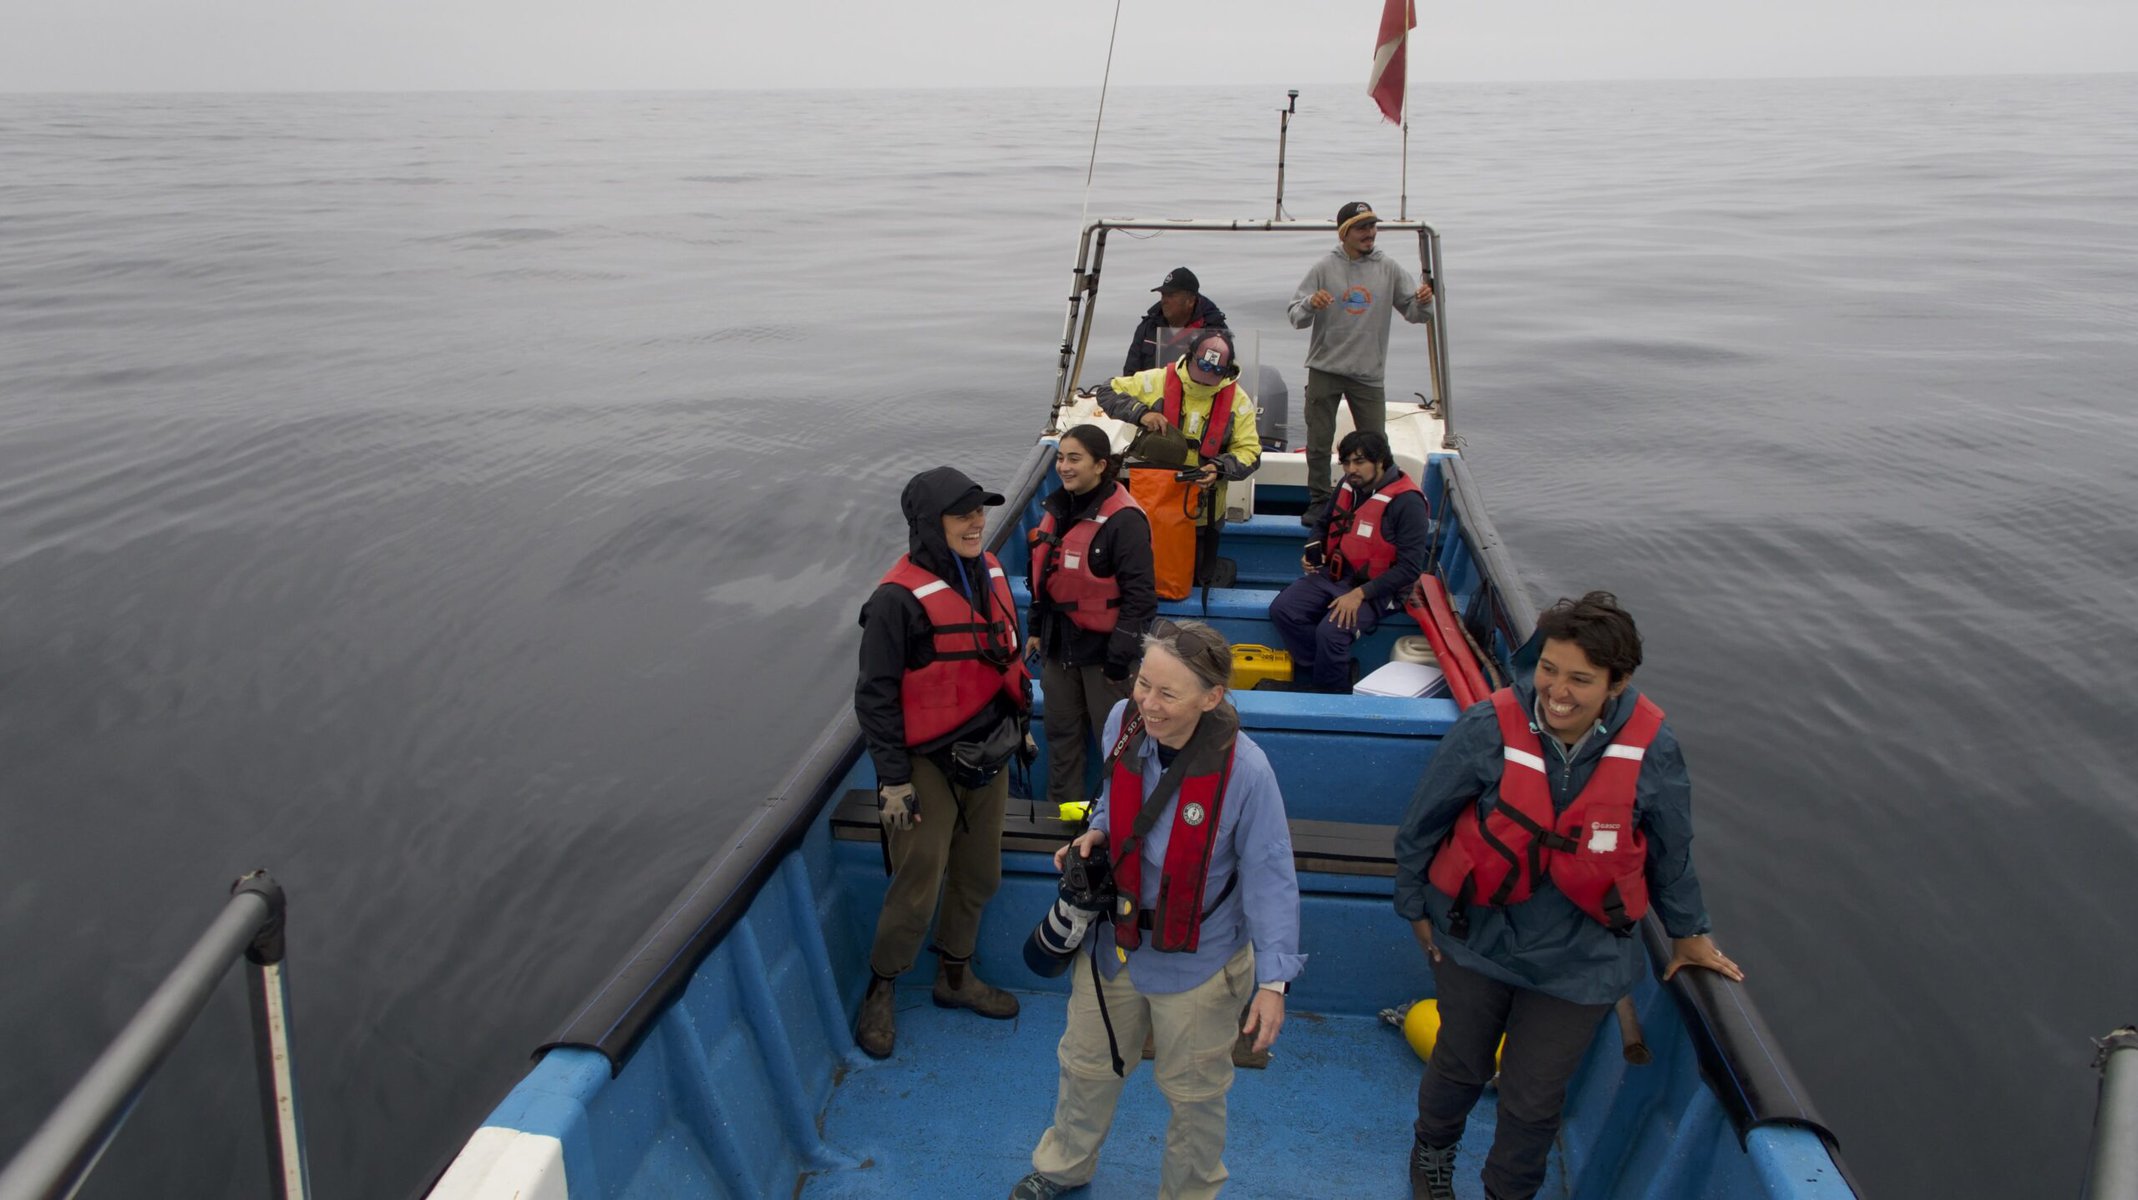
(1276,403)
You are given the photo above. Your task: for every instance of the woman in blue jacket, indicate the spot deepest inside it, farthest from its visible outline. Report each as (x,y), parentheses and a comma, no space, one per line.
(1196,832)
(1551,819)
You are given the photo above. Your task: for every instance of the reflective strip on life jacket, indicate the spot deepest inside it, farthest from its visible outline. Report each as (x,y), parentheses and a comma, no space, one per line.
(1593,852)
(1061,566)
(1357,538)
(974,662)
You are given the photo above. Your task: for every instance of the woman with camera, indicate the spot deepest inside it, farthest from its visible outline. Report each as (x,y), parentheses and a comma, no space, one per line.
(1204,924)
(941,700)
(1093,594)
(1551,819)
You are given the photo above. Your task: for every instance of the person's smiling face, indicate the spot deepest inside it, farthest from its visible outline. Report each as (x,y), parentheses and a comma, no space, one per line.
(1171,697)
(964,531)
(1571,689)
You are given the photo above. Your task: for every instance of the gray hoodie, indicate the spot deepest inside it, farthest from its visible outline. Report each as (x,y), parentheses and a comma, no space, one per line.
(1351,335)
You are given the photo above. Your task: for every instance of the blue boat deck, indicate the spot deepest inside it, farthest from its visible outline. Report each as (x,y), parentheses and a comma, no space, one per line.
(1330,1117)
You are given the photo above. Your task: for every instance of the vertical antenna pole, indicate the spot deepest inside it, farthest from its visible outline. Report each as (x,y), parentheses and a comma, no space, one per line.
(1284,128)
(1403,201)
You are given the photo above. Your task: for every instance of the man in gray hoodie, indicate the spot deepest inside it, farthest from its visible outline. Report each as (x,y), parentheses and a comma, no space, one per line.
(1346,298)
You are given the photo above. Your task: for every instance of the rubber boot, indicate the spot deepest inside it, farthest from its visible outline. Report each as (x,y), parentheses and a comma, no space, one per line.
(877,1030)
(957,987)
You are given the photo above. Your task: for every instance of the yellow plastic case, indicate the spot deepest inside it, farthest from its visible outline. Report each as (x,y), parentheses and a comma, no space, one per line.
(1251,664)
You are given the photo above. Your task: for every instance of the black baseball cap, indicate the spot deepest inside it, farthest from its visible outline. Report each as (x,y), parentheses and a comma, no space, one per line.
(1355,213)
(941,491)
(1180,279)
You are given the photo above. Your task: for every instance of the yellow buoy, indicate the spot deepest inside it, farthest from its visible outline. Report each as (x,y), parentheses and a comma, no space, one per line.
(1421,1028)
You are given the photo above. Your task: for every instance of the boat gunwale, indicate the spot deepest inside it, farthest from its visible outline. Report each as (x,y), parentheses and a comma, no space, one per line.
(1739,1056)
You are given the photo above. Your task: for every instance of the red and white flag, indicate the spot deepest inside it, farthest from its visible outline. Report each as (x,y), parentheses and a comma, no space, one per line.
(1386,83)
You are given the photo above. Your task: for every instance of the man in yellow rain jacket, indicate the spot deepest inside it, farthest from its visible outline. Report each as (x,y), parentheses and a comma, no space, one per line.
(1199,394)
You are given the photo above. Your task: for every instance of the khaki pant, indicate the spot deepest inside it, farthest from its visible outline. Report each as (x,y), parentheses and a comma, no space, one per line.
(1077,698)
(1194,1031)
(960,858)
(1369,412)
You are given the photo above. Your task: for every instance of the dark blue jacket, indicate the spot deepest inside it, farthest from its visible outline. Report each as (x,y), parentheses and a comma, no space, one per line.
(1143,348)
(1545,943)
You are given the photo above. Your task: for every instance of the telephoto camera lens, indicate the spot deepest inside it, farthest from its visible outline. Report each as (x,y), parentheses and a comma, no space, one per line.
(1087,891)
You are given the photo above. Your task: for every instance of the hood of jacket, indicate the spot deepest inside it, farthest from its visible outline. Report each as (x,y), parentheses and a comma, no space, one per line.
(927,496)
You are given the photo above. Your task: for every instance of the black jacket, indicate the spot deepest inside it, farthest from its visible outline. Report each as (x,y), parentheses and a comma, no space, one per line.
(896,636)
(1143,348)
(1407,524)
(1122,551)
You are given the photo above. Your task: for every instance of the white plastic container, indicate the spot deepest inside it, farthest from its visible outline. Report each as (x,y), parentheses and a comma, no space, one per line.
(1414,649)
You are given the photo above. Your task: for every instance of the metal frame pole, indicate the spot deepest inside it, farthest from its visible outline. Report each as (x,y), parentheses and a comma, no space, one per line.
(268,992)
(59,1156)
(2113,1168)
(66,1147)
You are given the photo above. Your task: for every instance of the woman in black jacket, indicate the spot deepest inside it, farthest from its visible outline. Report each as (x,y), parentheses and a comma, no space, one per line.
(1093,595)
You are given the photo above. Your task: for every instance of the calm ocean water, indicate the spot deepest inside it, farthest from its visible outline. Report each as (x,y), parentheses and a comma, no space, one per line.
(459,504)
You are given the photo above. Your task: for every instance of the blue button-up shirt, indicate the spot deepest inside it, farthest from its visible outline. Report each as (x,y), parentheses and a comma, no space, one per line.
(1254,841)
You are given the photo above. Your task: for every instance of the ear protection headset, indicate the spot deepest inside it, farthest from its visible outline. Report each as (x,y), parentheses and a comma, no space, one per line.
(1231,369)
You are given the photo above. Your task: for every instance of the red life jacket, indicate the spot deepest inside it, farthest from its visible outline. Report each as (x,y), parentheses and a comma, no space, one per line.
(1091,601)
(1176,924)
(1356,539)
(974,660)
(1217,428)
(1593,852)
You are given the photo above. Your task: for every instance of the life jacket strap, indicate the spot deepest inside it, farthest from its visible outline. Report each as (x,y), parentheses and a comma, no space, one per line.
(1459,915)
(1147,920)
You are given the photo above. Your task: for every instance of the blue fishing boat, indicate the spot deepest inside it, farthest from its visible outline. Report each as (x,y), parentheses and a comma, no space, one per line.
(718,1060)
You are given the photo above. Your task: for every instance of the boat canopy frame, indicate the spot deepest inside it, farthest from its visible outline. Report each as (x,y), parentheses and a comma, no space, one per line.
(1091,254)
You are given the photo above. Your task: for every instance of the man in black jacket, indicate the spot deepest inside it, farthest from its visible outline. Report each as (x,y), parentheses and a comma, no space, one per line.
(1368,548)
(941,666)
(1181,307)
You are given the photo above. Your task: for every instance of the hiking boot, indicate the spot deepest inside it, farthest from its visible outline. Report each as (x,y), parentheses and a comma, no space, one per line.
(1432,1172)
(877,1029)
(957,987)
(1314,513)
(1038,1187)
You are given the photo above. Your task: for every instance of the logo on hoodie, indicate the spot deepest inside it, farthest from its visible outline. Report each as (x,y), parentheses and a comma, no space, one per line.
(1356,299)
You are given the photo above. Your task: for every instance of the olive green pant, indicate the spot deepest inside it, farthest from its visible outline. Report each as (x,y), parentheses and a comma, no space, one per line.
(1194,1033)
(954,849)
(1078,698)
(1369,412)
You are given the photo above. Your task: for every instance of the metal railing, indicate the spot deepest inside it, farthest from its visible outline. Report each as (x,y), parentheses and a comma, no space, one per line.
(1091,254)
(60,1155)
(2112,1170)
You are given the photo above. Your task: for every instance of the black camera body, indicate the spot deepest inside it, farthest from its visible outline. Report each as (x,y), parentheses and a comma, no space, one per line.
(1087,894)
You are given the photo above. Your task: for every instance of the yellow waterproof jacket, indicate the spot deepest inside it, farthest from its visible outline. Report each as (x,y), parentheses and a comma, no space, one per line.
(1144,391)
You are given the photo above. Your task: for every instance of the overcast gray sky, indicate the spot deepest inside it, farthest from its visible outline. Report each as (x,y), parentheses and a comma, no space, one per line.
(248,45)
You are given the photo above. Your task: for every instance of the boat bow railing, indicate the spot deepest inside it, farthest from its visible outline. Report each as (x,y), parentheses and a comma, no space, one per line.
(60,1155)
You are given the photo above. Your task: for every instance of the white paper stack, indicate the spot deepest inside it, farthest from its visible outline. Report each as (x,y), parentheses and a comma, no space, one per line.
(1401,679)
